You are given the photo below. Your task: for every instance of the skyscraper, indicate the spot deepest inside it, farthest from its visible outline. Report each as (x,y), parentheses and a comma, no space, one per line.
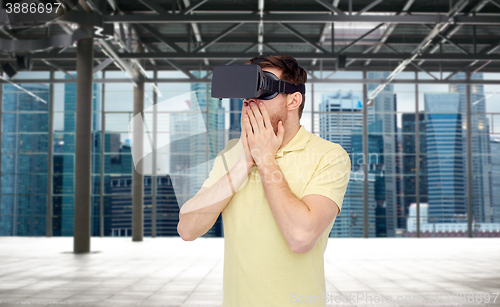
(376,158)
(495,177)
(24,174)
(409,160)
(385,107)
(445,157)
(167,210)
(447,154)
(482,208)
(344,115)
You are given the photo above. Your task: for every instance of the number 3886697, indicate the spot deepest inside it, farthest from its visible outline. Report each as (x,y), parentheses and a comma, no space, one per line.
(27,8)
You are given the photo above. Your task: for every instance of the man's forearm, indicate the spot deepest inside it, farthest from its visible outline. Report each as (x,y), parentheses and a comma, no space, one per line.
(199,213)
(291,214)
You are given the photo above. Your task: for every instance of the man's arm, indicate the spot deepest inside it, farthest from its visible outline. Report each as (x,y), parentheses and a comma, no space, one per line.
(200,213)
(302,222)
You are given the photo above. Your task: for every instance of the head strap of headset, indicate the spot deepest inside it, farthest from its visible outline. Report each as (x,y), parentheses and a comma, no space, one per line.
(278,85)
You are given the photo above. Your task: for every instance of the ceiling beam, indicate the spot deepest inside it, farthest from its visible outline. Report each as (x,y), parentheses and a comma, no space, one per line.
(180,68)
(488,51)
(59,68)
(391,27)
(194,27)
(154,7)
(300,18)
(224,33)
(192,7)
(289,38)
(447,40)
(439,27)
(457,27)
(102,65)
(66,56)
(368,7)
(413,64)
(327,28)
(332,8)
(162,38)
(121,61)
(360,38)
(175,64)
(305,39)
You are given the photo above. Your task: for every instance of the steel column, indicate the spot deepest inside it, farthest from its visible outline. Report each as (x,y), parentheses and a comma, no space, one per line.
(154,179)
(137,176)
(1,130)
(469,155)
(312,108)
(333,37)
(365,158)
(103,128)
(417,157)
(207,140)
(50,159)
(83,145)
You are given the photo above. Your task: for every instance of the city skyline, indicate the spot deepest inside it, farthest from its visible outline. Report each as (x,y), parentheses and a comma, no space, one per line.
(343,125)
(222,118)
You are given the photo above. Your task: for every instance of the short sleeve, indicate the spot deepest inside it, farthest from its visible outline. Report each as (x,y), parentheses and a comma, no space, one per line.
(331,176)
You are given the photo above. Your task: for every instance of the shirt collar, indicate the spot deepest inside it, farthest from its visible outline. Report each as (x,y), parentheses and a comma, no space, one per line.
(298,142)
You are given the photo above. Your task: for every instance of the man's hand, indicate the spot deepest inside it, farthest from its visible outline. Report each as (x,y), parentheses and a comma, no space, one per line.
(245,156)
(262,141)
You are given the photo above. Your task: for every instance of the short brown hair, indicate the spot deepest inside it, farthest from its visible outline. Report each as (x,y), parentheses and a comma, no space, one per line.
(291,71)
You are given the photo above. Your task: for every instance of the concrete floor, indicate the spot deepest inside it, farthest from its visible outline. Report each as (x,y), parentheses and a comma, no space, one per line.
(171,272)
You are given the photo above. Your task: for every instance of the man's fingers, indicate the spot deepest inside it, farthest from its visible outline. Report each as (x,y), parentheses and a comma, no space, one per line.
(265,115)
(243,126)
(248,126)
(243,112)
(253,121)
(281,131)
(244,143)
(258,117)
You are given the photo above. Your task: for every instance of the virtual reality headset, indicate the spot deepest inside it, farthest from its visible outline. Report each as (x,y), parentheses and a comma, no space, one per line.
(249,81)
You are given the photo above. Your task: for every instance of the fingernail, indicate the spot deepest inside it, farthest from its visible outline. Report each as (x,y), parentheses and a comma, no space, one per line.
(261,104)
(252,104)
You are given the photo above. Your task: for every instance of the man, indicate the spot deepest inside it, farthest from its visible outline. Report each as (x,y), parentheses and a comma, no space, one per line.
(279,191)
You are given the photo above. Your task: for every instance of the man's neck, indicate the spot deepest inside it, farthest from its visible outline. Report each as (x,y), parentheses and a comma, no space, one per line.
(290,131)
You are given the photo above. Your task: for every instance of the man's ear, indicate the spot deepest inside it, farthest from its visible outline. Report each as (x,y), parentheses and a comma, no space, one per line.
(294,100)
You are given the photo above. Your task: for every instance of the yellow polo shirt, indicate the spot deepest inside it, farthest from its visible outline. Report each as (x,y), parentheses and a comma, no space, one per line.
(259,267)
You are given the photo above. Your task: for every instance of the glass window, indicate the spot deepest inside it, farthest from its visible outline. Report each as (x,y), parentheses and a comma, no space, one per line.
(402,168)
